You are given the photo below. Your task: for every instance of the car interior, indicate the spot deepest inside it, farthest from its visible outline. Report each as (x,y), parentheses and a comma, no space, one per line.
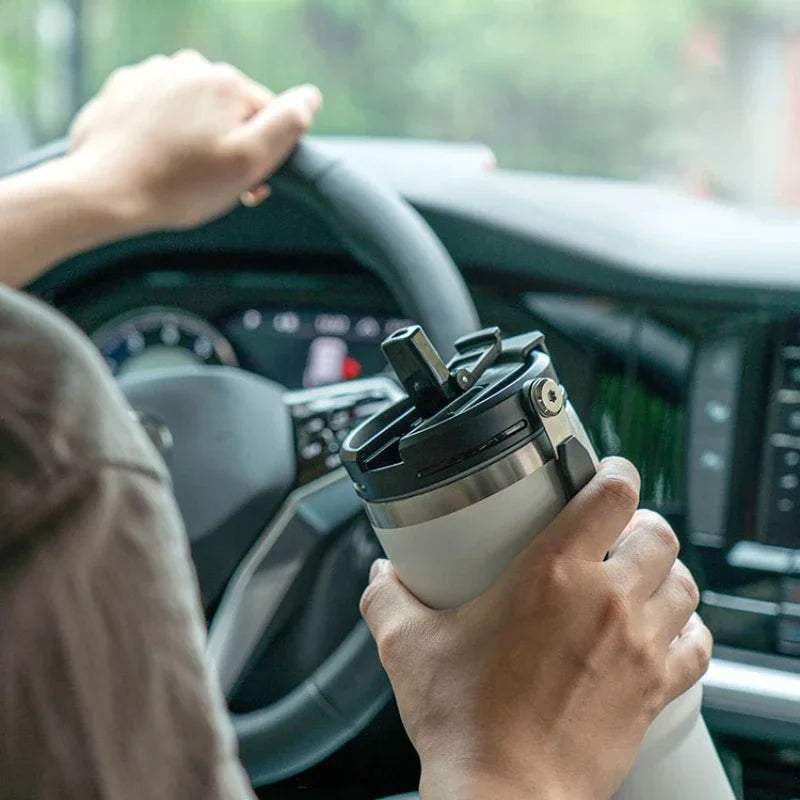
(692,374)
(635,201)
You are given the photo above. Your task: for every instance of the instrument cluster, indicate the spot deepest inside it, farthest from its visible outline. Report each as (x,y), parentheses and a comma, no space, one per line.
(298,348)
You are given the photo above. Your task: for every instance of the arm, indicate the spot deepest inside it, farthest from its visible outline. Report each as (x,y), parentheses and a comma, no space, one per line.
(50,213)
(169,143)
(544,686)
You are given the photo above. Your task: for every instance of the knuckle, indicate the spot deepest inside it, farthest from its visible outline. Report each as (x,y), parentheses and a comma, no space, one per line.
(297,120)
(643,655)
(661,530)
(684,585)
(370,595)
(702,658)
(687,586)
(367,598)
(656,694)
(653,703)
(619,489)
(239,158)
(691,665)
(691,669)
(557,578)
(616,614)
(703,650)
(391,640)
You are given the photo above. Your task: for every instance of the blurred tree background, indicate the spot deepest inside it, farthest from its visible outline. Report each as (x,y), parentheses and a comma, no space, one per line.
(601,87)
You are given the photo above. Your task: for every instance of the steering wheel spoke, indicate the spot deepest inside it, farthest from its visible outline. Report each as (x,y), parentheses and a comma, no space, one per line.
(324,416)
(248,609)
(323,500)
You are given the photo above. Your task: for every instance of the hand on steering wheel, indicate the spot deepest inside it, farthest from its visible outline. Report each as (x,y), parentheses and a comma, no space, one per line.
(175,141)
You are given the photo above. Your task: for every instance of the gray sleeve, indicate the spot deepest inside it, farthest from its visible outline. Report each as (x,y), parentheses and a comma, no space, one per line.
(104,688)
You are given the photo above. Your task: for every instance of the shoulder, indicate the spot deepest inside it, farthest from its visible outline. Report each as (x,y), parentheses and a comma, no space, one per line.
(60,408)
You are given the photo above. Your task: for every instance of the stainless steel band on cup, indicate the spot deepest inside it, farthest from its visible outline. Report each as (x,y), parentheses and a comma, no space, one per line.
(460,493)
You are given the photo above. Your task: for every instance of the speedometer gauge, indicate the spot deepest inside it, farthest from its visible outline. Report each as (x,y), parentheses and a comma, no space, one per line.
(153,338)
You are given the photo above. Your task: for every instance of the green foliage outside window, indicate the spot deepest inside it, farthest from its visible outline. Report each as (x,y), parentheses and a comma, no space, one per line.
(575,86)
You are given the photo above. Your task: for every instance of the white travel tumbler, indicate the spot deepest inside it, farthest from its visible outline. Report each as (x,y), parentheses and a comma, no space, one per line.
(458,477)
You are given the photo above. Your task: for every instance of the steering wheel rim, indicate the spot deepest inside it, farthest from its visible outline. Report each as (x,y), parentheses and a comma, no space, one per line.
(385,234)
(391,239)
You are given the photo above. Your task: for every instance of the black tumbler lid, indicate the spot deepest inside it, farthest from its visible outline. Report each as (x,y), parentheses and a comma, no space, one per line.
(456,418)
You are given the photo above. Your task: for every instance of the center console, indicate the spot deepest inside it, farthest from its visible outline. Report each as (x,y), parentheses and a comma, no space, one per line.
(743,488)
(706,402)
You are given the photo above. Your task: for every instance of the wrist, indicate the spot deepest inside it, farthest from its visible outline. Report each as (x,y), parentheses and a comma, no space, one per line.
(110,206)
(471,782)
(58,209)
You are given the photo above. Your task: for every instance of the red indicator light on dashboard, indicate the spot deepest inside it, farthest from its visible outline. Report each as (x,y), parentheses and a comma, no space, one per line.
(351,368)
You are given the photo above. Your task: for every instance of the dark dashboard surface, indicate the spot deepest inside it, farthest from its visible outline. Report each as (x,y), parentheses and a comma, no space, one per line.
(675,355)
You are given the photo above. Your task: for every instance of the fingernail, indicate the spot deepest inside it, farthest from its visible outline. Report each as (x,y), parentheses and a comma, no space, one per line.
(377,566)
(311,96)
(255,196)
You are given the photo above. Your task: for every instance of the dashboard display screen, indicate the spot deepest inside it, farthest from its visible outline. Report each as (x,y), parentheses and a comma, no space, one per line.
(303,349)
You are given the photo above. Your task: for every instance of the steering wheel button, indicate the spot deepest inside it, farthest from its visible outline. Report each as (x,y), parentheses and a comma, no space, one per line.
(311,450)
(791,458)
(717,411)
(712,461)
(315,425)
(339,419)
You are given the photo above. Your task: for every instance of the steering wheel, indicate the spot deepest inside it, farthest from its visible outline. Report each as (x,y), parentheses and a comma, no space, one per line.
(260,527)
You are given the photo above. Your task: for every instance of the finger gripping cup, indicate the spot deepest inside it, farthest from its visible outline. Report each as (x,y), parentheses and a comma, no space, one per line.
(460,476)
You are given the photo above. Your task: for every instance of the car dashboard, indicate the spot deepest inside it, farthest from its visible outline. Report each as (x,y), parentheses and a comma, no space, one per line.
(700,390)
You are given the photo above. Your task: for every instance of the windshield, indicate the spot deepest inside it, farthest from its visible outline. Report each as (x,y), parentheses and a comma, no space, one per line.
(703,95)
